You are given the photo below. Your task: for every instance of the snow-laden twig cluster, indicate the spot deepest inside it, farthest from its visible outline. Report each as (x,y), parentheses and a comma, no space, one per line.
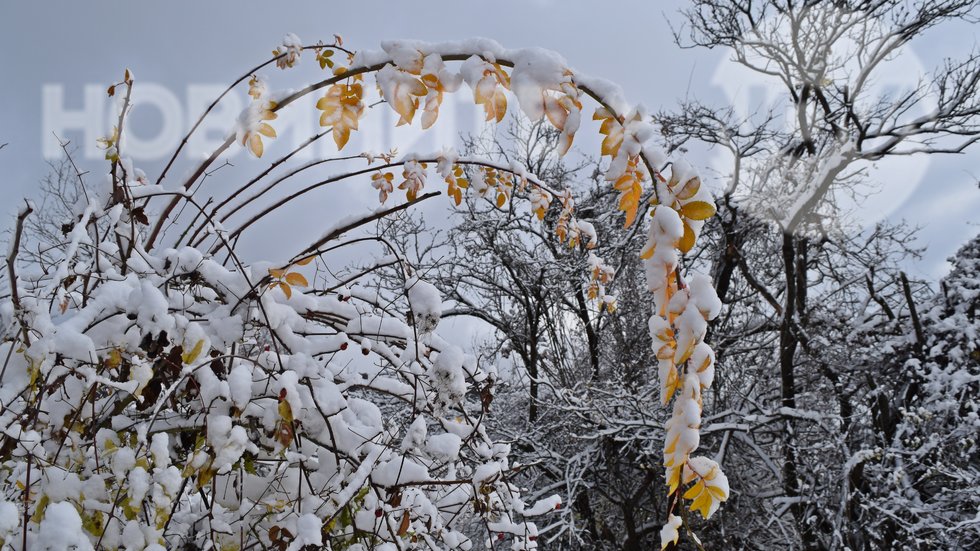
(155,393)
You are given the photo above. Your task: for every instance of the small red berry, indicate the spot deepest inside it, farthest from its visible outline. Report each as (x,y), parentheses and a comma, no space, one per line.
(500,536)
(267,348)
(378,513)
(343,346)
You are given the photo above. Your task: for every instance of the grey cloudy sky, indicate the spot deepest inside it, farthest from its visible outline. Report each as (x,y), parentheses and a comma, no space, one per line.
(180,44)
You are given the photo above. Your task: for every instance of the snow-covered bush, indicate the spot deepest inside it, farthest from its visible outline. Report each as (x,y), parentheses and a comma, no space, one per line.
(163,391)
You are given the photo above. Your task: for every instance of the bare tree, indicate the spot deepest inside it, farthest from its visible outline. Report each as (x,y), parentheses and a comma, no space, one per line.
(783,194)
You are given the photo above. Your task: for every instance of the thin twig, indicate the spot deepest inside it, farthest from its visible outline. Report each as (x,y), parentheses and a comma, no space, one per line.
(12,271)
(920,340)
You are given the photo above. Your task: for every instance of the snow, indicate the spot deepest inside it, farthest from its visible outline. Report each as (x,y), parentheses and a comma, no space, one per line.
(123,460)
(426,304)
(415,435)
(229,352)
(444,446)
(308,532)
(448,379)
(399,470)
(543,506)
(61,529)
(9,519)
(669,533)
(139,485)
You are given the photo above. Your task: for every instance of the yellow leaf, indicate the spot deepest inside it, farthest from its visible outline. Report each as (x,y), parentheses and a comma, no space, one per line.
(630,215)
(255,145)
(698,210)
(429,118)
(340,137)
(267,130)
(686,353)
(305,261)
(673,478)
(499,104)
(556,114)
(285,289)
(717,493)
(296,279)
(694,491)
(189,357)
(689,189)
(611,143)
(702,504)
(285,411)
(647,252)
(501,199)
(277,273)
(687,240)
(204,476)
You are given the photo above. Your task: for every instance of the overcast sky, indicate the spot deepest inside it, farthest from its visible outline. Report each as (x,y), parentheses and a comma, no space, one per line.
(181,45)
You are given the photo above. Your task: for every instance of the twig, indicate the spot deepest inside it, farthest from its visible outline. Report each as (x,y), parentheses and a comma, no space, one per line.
(920,341)
(27,499)
(12,271)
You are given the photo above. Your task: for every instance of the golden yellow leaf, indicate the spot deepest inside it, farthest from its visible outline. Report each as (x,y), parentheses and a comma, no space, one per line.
(340,137)
(717,493)
(267,130)
(687,352)
(296,279)
(673,478)
(305,261)
(499,104)
(555,113)
(286,290)
(204,476)
(611,143)
(698,210)
(189,357)
(277,273)
(694,490)
(689,189)
(285,411)
(702,504)
(648,250)
(630,215)
(687,240)
(255,145)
